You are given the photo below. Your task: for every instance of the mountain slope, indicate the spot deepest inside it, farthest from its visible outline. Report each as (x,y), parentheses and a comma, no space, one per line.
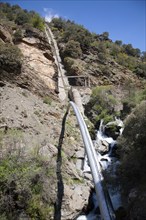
(96,56)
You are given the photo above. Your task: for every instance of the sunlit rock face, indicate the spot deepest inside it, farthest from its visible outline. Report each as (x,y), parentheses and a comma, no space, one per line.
(39,63)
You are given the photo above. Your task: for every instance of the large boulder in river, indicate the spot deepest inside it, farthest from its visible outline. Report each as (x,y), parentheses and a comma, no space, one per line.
(102,146)
(114,129)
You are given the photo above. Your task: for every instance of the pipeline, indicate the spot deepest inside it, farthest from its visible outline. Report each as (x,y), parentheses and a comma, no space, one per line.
(106,213)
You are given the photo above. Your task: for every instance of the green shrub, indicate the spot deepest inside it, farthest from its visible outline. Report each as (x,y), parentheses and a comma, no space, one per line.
(72,49)
(140,70)
(118,42)
(72,31)
(115,50)
(17,36)
(95,44)
(102,57)
(10,58)
(23,180)
(129,50)
(22,18)
(132,98)
(101,105)
(47,100)
(37,22)
(127,61)
(69,63)
(132,149)
(58,23)
(132,168)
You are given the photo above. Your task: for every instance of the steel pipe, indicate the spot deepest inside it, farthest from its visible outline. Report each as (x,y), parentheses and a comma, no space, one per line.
(94,165)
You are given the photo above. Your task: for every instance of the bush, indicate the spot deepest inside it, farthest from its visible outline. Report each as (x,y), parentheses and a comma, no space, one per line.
(10,58)
(132,168)
(132,98)
(17,36)
(102,57)
(132,149)
(37,22)
(58,23)
(140,70)
(101,105)
(115,50)
(47,100)
(26,181)
(72,31)
(22,18)
(129,50)
(127,61)
(72,49)
(118,42)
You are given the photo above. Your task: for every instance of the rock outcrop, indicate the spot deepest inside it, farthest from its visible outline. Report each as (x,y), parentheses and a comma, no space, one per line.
(5,36)
(37,62)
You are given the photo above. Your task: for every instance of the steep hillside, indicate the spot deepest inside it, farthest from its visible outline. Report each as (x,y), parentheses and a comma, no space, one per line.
(41,151)
(96,56)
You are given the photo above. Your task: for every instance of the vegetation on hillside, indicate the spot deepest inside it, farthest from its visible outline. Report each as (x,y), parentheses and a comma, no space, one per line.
(15,24)
(75,40)
(132,169)
(101,105)
(133,97)
(21,17)
(26,180)
(10,58)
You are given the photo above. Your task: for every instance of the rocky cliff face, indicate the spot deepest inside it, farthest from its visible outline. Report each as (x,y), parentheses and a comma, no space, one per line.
(33,134)
(107,73)
(38,69)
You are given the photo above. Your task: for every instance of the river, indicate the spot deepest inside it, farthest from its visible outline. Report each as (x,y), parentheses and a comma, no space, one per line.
(109,163)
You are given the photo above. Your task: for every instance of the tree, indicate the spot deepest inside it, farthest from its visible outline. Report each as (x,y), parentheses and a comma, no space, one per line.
(10,58)
(101,105)
(38,22)
(102,57)
(128,48)
(132,169)
(72,49)
(143,57)
(140,70)
(71,31)
(104,36)
(118,42)
(115,50)
(59,23)
(137,52)
(22,18)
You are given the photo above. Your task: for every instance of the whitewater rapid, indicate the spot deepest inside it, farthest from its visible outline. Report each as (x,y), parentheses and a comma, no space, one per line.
(108,163)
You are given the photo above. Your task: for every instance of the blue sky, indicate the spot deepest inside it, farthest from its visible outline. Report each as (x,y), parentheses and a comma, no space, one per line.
(124,19)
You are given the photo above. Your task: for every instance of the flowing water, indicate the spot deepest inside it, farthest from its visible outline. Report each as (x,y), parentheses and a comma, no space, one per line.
(109,163)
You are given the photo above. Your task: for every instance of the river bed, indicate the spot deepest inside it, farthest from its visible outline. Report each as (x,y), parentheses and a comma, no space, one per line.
(109,163)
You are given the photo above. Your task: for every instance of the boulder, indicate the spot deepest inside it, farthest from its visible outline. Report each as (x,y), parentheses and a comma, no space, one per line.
(5,35)
(75,199)
(48,151)
(102,146)
(114,129)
